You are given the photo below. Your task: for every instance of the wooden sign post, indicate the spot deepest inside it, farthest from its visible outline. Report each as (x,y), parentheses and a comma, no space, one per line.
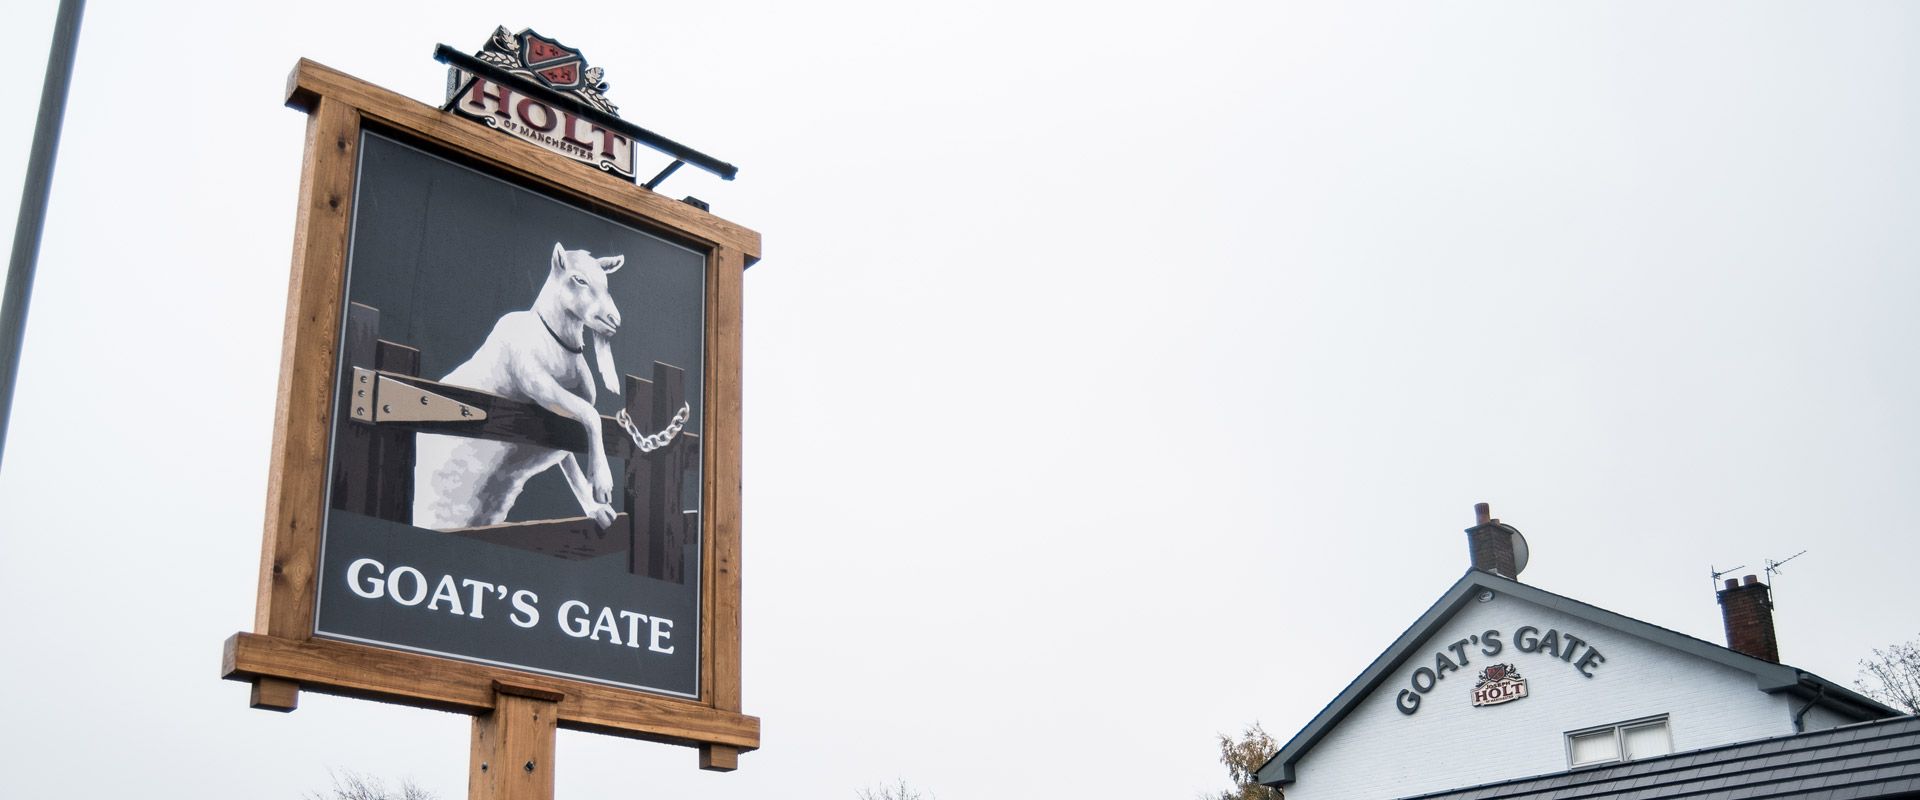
(646,643)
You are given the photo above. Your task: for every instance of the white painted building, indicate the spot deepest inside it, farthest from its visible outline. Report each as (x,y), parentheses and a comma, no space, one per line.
(1499,681)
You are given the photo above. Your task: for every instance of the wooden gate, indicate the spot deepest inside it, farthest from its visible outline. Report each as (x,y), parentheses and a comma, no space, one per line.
(373,461)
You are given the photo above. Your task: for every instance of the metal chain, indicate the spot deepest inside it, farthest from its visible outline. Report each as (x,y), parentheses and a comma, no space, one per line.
(649,443)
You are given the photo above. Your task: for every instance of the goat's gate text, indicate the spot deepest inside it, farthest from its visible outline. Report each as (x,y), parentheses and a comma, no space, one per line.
(401,586)
(469,597)
(1499,683)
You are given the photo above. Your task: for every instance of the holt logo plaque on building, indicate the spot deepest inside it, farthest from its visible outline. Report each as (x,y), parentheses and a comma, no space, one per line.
(1500,683)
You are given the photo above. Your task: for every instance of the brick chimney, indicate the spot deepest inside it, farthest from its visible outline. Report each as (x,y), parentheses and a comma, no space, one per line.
(1490,544)
(1747,605)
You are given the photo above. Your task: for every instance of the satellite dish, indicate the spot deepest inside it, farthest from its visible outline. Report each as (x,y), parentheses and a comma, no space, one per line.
(1519,551)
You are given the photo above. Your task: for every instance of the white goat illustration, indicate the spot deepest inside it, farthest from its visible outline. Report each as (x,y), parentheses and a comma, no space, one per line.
(538,356)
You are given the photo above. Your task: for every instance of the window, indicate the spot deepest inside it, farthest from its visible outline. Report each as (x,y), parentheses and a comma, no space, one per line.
(1627,741)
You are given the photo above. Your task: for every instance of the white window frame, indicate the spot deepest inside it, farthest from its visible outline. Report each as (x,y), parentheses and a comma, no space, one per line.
(1619,730)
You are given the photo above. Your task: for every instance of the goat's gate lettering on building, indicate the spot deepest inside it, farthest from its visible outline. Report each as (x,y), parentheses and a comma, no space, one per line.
(1499,683)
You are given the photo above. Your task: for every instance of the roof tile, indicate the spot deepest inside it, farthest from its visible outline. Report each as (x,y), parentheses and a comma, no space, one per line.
(1865,761)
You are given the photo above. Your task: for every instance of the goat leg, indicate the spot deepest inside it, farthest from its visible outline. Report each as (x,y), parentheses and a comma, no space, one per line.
(602,513)
(550,394)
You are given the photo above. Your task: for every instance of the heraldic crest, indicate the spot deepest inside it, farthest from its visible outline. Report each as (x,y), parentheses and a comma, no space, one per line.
(553,64)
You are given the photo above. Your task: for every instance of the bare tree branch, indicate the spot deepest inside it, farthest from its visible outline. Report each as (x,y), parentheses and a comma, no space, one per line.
(1892,676)
(898,791)
(351,785)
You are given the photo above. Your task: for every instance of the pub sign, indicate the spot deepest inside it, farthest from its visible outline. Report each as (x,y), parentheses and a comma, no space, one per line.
(465,532)
(506,463)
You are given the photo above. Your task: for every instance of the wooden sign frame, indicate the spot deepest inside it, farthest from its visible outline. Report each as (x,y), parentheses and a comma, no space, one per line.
(282,657)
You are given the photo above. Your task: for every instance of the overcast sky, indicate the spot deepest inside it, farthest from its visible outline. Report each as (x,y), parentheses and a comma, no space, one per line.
(1117,375)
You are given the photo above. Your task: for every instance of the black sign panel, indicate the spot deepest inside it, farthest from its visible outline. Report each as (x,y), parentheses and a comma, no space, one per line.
(515,468)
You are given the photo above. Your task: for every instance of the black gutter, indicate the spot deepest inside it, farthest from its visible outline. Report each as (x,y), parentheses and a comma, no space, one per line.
(1818,690)
(462,61)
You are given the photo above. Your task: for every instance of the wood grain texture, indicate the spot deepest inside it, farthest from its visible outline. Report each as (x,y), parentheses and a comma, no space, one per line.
(523,690)
(274,694)
(720,605)
(551,172)
(296,482)
(719,758)
(376,673)
(513,749)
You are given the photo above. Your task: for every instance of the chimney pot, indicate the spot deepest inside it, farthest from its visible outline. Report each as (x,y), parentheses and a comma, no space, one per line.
(1733,583)
(1747,610)
(1490,545)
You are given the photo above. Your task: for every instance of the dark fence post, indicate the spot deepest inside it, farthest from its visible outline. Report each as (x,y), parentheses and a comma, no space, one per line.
(372,464)
(392,466)
(667,524)
(353,474)
(640,471)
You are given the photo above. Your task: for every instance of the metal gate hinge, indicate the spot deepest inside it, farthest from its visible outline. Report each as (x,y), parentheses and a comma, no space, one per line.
(379,398)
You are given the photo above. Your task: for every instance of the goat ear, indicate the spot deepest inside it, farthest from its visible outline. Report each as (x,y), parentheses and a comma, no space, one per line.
(559,259)
(612,264)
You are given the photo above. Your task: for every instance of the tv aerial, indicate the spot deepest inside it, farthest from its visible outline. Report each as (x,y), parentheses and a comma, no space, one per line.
(1773,567)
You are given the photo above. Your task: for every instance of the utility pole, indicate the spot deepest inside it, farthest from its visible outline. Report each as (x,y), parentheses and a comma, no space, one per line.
(33,204)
